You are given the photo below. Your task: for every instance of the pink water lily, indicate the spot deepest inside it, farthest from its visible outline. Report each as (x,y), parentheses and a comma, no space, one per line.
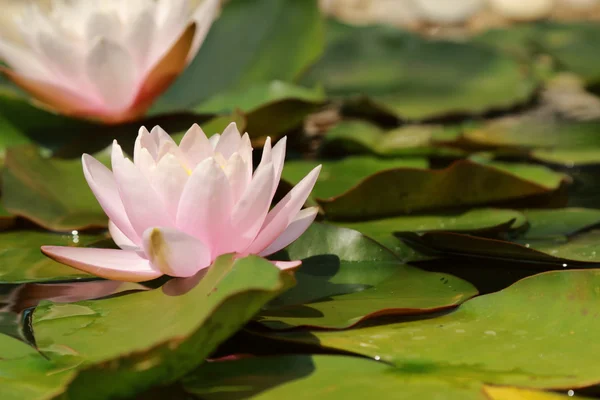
(174,209)
(106,60)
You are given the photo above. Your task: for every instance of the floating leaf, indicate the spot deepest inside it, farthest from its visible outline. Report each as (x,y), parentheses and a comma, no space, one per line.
(22,261)
(262,32)
(573,46)
(318,377)
(27,375)
(130,343)
(354,136)
(53,193)
(396,190)
(346,278)
(538,333)
(484,221)
(6,219)
(413,78)
(560,222)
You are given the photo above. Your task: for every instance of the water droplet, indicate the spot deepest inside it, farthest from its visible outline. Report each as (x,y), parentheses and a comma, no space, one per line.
(565,265)
(571,393)
(74,233)
(491,333)
(377,358)
(460,331)
(419,337)
(527,245)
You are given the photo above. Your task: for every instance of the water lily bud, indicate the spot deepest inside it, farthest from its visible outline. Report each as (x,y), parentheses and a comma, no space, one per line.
(448,11)
(523,10)
(106,60)
(174,209)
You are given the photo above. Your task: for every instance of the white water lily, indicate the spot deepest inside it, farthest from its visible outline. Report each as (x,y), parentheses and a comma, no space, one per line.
(104,59)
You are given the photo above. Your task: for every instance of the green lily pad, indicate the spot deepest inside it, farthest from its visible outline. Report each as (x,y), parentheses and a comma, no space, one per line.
(569,158)
(536,134)
(337,177)
(22,261)
(262,32)
(127,344)
(574,47)
(538,333)
(413,78)
(318,377)
(482,221)
(346,278)
(27,375)
(355,136)
(50,192)
(560,222)
(394,190)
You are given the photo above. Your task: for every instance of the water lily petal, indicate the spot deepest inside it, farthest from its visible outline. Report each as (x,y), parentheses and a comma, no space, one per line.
(236,171)
(65,62)
(140,36)
(195,146)
(111,70)
(120,238)
(168,179)
(294,230)
(104,25)
(250,212)
(283,213)
(278,157)
(229,142)
(103,185)
(205,207)
(143,205)
(113,264)
(204,16)
(24,62)
(175,253)
(287,265)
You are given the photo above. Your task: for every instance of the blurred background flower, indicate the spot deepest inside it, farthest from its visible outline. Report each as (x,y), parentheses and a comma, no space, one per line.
(105,60)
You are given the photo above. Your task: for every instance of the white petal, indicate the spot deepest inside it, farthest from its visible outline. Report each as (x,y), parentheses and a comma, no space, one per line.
(204,16)
(144,140)
(287,265)
(140,38)
(24,62)
(111,70)
(65,61)
(214,140)
(205,208)
(175,253)
(104,25)
(295,229)
(283,213)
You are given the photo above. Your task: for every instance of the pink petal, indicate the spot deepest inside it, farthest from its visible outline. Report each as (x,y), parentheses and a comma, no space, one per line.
(284,212)
(110,69)
(24,62)
(103,185)
(287,265)
(229,142)
(144,141)
(175,253)
(144,207)
(118,265)
(237,174)
(168,179)
(294,230)
(195,146)
(161,137)
(65,61)
(278,156)
(205,207)
(250,212)
(120,238)
(214,140)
